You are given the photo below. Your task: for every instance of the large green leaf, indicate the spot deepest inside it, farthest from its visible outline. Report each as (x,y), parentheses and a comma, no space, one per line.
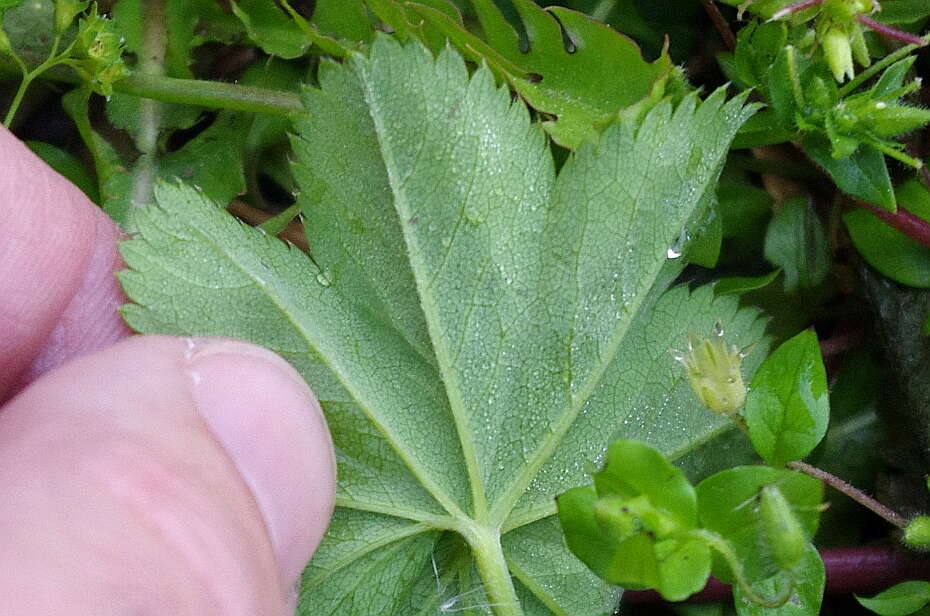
(477,328)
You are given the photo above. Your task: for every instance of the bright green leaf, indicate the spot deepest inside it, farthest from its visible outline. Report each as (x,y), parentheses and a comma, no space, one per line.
(633,531)
(888,250)
(899,600)
(797,243)
(788,408)
(728,503)
(476,327)
(634,469)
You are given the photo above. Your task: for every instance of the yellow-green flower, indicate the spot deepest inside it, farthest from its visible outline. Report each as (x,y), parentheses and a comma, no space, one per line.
(714,372)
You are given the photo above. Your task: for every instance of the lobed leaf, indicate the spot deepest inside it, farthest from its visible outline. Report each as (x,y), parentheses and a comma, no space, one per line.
(477,327)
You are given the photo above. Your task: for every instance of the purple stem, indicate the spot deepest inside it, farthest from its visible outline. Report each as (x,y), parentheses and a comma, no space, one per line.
(795,8)
(884,30)
(910,225)
(720,23)
(862,570)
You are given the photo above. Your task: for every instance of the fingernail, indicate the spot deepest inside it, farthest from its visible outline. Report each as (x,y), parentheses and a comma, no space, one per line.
(271,426)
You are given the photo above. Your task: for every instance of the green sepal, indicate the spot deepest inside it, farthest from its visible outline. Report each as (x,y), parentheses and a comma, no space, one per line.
(917,533)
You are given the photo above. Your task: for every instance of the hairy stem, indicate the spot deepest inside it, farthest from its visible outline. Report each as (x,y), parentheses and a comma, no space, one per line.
(898,35)
(152,62)
(849,490)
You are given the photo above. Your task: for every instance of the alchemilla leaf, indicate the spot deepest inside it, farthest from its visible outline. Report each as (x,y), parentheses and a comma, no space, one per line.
(477,326)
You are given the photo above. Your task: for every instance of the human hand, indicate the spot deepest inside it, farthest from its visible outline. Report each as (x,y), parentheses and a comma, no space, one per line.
(144,474)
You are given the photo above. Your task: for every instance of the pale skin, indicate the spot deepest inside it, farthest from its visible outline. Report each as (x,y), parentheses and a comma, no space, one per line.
(138,474)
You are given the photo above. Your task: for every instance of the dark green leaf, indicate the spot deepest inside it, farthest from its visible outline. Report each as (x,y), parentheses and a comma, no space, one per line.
(271,28)
(737,285)
(704,250)
(796,242)
(899,600)
(888,250)
(892,78)
(903,11)
(787,410)
(212,161)
(590,82)
(67,165)
(863,174)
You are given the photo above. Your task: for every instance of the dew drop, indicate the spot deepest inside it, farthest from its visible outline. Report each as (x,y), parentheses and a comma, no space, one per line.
(718,329)
(678,247)
(323,279)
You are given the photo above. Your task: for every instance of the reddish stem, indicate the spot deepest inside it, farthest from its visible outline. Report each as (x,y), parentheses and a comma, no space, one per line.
(720,23)
(884,30)
(795,8)
(860,570)
(910,225)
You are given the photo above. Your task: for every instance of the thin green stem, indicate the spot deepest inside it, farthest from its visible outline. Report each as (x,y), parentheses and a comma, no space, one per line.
(17,99)
(211,94)
(724,548)
(202,93)
(876,68)
(29,76)
(896,154)
(851,491)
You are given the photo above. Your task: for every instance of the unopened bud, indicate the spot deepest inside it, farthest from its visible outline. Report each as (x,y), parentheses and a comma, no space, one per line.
(917,533)
(838,52)
(782,530)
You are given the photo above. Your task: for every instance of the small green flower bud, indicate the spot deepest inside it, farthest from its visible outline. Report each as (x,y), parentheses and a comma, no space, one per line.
(714,372)
(838,52)
(859,49)
(917,533)
(783,533)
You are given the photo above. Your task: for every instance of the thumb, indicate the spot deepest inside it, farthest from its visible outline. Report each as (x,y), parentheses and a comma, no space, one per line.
(162,476)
